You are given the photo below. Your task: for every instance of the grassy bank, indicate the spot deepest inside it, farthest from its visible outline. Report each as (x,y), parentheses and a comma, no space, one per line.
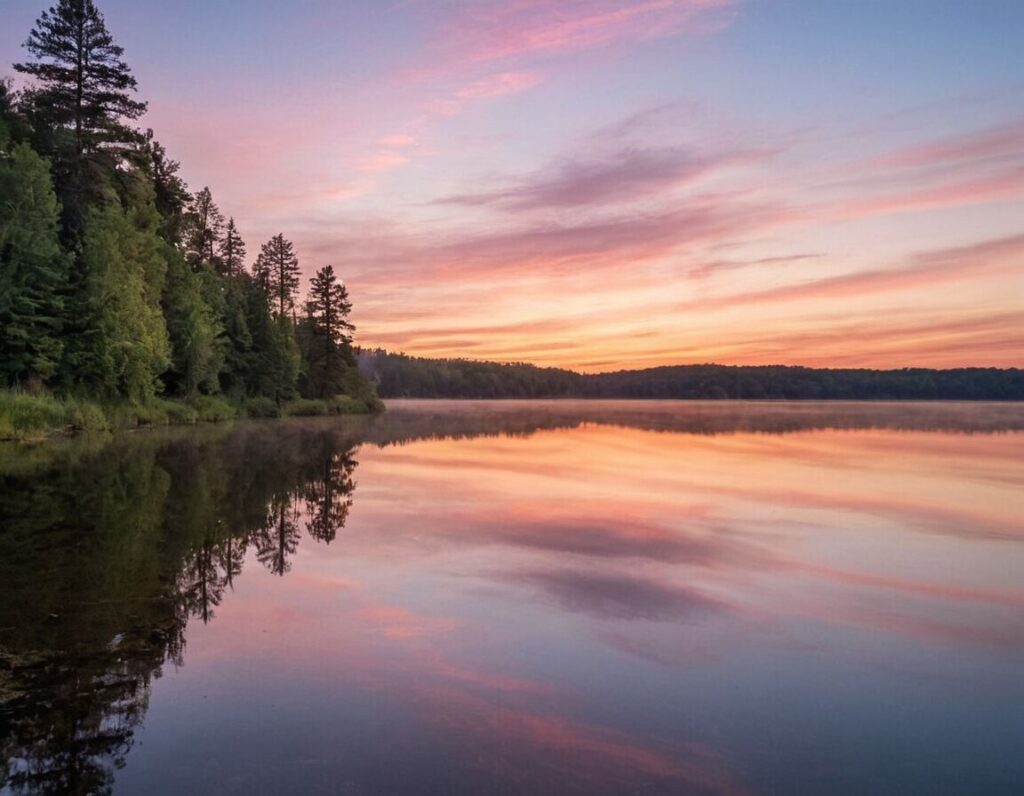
(27,417)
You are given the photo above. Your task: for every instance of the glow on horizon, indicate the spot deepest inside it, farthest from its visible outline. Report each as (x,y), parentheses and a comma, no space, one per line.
(603,184)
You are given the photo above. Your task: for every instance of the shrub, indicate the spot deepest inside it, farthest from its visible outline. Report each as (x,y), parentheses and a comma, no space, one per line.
(305,407)
(211,409)
(179,413)
(152,413)
(346,405)
(262,407)
(359,388)
(86,416)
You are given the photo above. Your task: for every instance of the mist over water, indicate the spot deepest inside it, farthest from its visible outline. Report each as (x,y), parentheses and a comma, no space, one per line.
(520,597)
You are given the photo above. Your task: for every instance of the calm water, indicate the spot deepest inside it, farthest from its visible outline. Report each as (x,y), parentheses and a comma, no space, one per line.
(521,598)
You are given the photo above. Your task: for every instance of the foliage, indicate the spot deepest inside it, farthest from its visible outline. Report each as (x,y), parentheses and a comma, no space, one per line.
(277,272)
(194,330)
(326,338)
(261,407)
(305,407)
(27,416)
(231,251)
(347,405)
(122,345)
(203,225)
(80,103)
(33,269)
(117,284)
(211,409)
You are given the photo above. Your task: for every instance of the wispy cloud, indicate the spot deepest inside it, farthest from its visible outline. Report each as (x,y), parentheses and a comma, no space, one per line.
(498,31)
(499,85)
(620,177)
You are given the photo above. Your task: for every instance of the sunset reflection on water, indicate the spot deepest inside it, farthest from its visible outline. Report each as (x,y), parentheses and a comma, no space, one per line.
(611,599)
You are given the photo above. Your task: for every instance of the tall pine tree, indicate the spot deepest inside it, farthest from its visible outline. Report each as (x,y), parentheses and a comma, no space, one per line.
(329,344)
(205,223)
(81,102)
(277,270)
(232,251)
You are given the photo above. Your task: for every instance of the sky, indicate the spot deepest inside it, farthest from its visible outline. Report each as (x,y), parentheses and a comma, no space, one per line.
(607,184)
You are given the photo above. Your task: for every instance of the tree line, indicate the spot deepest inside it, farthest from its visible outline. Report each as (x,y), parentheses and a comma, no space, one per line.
(119,283)
(402,376)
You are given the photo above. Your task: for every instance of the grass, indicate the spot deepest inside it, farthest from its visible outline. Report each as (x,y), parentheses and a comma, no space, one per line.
(24,416)
(30,416)
(305,407)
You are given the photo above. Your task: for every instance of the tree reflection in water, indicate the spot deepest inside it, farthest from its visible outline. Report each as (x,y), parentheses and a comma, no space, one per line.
(109,548)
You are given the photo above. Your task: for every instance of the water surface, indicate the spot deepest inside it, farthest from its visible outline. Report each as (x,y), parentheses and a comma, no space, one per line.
(545,597)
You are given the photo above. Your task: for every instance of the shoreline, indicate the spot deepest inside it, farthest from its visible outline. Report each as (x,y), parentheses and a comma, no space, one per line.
(30,418)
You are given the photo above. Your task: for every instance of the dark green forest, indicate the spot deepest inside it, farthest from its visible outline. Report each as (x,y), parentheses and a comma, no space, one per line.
(120,287)
(401,376)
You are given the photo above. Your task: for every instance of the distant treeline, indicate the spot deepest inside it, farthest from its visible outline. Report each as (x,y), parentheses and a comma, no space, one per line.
(401,376)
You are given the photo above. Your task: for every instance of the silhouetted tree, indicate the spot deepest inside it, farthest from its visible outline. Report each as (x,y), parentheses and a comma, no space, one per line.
(232,251)
(328,345)
(277,270)
(204,224)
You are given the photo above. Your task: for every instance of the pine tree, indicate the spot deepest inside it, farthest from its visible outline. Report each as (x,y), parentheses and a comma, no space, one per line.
(232,251)
(203,230)
(329,344)
(240,293)
(14,127)
(33,269)
(81,101)
(277,269)
(170,194)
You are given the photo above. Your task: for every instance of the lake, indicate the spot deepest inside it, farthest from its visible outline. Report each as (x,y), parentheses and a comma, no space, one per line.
(521,597)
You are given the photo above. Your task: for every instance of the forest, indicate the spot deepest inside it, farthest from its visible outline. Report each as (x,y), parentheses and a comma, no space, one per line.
(402,376)
(126,297)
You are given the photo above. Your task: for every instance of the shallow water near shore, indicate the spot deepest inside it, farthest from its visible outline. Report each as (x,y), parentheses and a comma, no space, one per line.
(520,597)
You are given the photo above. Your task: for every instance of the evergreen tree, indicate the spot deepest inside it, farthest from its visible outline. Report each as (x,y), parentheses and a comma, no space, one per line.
(328,353)
(170,194)
(277,269)
(204,226)
(278,361)
(81,100)
(193,328)
(232,251)
(14,127)
(236,376)
(121,344)
(33,269)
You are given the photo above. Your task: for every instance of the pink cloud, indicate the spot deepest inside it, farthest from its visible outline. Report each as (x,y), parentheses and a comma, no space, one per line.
(1001,140)
(606,179)
(484,32)
(992,258)
(382,161)
(397,141)
(499,85)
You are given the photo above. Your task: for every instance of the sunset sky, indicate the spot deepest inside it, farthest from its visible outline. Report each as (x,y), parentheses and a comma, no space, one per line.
(603,184)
